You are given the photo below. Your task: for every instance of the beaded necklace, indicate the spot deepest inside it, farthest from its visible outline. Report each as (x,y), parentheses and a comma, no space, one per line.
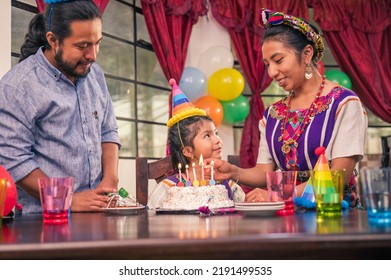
(286,146)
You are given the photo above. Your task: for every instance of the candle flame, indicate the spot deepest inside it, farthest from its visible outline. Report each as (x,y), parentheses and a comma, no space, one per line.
(201,162)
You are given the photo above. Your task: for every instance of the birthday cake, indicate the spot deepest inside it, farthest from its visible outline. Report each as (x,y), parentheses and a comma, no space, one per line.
(191,198)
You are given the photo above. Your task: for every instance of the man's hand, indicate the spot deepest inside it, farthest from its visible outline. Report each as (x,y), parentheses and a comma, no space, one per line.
(91,200)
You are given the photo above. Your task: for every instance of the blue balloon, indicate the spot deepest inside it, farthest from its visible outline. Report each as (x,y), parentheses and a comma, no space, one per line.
(193,83)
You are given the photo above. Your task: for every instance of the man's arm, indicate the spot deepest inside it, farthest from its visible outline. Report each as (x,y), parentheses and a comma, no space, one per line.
(30,182)
(109,165)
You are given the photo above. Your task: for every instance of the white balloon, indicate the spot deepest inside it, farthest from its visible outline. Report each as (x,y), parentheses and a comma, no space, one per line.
(215,58)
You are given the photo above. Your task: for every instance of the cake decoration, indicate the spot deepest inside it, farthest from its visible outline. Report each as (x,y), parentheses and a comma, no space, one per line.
(212,182)
(180,183)
(188,182)
(201,163)
(196,183)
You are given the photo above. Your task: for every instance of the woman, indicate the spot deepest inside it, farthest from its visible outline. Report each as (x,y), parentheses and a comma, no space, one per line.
(317,112)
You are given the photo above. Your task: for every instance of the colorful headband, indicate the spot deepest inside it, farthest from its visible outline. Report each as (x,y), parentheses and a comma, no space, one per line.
(269,18)
(182,108)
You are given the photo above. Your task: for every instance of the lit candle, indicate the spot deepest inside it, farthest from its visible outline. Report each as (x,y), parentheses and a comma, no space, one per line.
(188,182)
(195,182)
(201,163)
(212,182)
(180,183)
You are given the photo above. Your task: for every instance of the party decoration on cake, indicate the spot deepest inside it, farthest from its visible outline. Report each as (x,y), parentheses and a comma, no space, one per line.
(11,195)
(212,182)
(201,163)
(188,181)
(182,108)
(196,183)
(180,183)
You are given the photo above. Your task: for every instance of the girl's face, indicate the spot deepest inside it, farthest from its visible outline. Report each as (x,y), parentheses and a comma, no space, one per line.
(282,65)
(207,142)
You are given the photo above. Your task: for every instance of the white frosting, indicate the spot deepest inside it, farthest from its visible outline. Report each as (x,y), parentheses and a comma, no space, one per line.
(191,198)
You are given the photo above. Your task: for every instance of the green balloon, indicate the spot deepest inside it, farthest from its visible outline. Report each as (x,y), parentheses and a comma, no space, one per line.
(339,77)
(235,110)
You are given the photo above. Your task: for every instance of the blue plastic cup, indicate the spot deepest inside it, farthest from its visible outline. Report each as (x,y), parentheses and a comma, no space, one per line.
(376,187)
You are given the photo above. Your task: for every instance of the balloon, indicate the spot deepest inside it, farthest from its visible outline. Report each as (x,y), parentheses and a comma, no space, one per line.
(226,84)
(235,110)
(193,83)
(215,58)
(321,67)
(212,106)
(11,194)
(339,77)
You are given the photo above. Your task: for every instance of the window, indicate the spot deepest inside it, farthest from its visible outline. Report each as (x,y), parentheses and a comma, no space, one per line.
(136,83)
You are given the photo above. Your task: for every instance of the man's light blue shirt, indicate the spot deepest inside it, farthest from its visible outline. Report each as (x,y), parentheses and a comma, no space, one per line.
(48,122)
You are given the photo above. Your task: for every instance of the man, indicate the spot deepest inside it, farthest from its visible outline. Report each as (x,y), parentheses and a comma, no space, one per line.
(56,114)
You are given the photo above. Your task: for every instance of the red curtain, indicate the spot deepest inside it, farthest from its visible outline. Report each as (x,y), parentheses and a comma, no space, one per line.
(359,36)
(240,17)
(169,24)
(102,4)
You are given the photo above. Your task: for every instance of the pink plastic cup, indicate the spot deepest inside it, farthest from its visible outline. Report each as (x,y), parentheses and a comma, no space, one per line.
(56,196)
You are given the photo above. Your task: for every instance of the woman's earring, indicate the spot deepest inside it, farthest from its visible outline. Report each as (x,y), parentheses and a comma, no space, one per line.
(308,72)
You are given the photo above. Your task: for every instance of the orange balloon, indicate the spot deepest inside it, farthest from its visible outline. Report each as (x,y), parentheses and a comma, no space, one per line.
(212,107)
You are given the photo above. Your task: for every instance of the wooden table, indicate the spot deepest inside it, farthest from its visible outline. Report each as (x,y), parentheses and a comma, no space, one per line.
(147,235)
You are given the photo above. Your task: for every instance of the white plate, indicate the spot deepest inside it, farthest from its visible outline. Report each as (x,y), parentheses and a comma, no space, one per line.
(264,203)
(176,211)
(259,210)
(123,210)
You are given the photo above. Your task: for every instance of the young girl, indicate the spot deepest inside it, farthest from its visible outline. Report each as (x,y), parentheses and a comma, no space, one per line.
(192,133)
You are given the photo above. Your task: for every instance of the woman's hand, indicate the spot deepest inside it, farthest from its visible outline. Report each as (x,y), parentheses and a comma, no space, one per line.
(222,169)
(257,195)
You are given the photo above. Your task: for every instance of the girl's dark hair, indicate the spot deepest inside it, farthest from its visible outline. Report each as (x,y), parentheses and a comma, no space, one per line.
(291,38)
(56,18)
(188,129)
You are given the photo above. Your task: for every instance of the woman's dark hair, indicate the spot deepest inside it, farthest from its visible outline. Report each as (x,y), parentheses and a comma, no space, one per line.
(56,18)
(188,129)
(291,38)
